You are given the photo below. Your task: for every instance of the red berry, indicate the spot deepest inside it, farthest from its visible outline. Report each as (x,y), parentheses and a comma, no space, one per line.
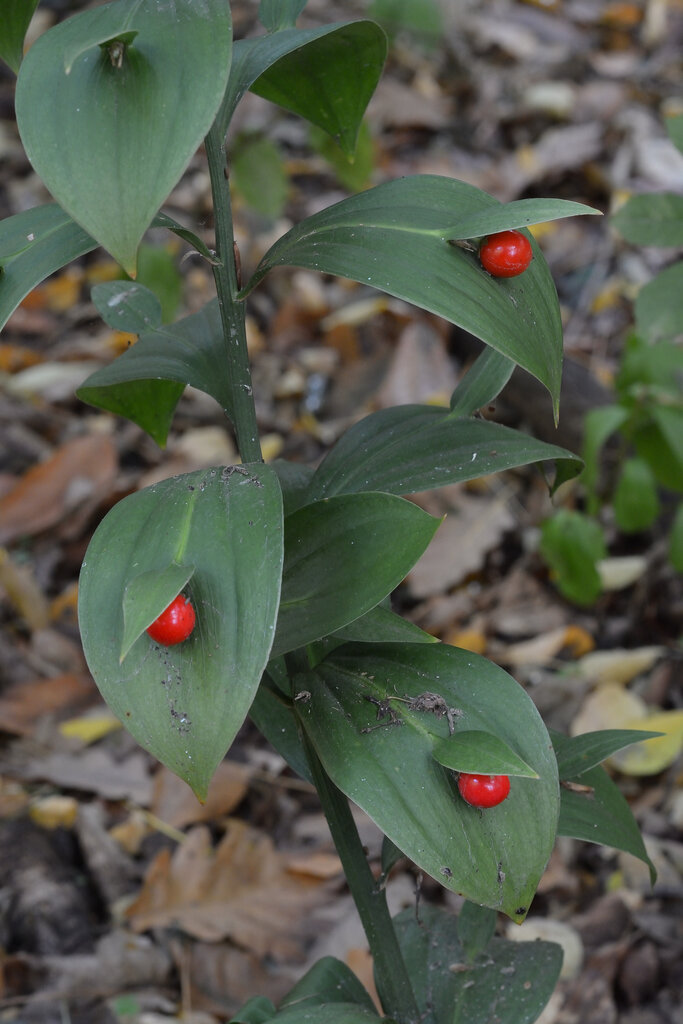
(175,624)
(506,254)
(483,790)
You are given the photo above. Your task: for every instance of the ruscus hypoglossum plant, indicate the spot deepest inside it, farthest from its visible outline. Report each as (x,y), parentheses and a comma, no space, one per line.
(289,568)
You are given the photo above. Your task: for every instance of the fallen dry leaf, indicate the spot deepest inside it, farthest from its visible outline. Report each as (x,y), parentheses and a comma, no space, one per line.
(78,474)
(175,804)
(95,771)
(22,705)
(619,665)
(240,891)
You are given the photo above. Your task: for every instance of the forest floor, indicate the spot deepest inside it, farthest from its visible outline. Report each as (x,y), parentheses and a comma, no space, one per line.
(99,847)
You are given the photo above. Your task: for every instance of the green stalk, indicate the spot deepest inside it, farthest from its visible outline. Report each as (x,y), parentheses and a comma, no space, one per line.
(393,983)
(243,412)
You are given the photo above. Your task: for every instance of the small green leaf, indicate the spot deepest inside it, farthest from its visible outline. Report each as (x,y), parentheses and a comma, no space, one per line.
(572,544)
(476,751)
(145,383)
(381,625)
(258,172)
(395,238)
(353,172)
(33,245)
(157,270)
(274,717)
(330,80)
(16,18)
(118,133)
(636,501)
(343,555)
(676,540)
(598,813)
(483,382)
(509,983)
(146,596)
(660,443)
(421,18)
(659,305)
(327,981)
(521,213)
(257,1010)
(578,754)
(275,15)
(411,448)
(186,703)
(651,219)
(373,714)
(598,425)
(476,926)
(127,306)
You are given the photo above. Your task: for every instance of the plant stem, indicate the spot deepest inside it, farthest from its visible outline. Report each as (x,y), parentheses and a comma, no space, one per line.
(393,983)
(243,411)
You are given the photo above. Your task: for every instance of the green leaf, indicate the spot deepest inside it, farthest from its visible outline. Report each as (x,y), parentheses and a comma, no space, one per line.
(329,81)
(145,383)
(274,717)
(353,172)
(365,720)
(259,174)
(578,754)
(572,544)
(659,305)
(278,14)
(411,448)
(294,479)
(521,213)
(342,556)
(476,927)
(33,245)
(661,444)
(636,501)
(381,625)
(127,306)
(483,382)
(185,703)
(327,981)
(256,1010)
(477,751)
(327,1013)
(270,55)
(16,18)
(147,596)
(157,270)
(674,126)
(598,425)
(117,135)
(395,238)
(651,219)
(600,814)
(676,540)
(509,983)
(421,18)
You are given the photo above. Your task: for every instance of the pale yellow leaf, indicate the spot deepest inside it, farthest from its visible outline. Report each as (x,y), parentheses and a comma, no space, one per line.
(654,755)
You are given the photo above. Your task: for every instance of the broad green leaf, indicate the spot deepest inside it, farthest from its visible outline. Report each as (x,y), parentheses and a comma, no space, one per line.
(119,130)
(572,544)
(258,173)
(476,926)
(509,983)
(127,306)
(635,500)
(658,366)
(598,425)
(598,813)
(147,596)
(659,305)
(483,382)
(16,17)
(269,57)
(33,245)
(327,981)
(330,81)
(146,381)
(476,751)
(395,238)
(342,556)
(278,14)
(578,754)
(411,448)
(369,721)
(256,1010)
(185,703)
(660,443)
(676,540)
(521,213)
(381,625)
(651,219)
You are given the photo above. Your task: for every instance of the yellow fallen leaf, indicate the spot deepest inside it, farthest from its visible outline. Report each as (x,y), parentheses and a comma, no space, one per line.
(578,640)
(54,812)
(468,639)
(89,728)
(617,666)
(654,755)
(609,707)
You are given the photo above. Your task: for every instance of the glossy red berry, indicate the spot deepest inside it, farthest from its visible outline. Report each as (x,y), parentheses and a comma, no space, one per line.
(483,790)
(175,624)
(506,254)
